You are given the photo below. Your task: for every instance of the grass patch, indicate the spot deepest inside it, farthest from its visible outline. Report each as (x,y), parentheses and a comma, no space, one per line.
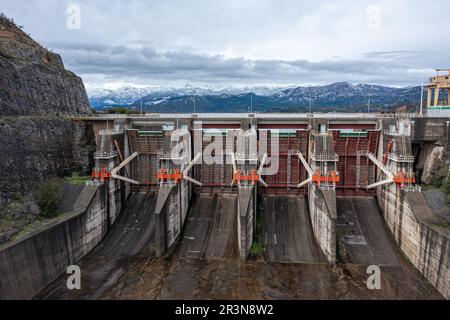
(6,222)
(444,225)
(257,248)
(76,178)
(341,252)
(17,196)
(30,227)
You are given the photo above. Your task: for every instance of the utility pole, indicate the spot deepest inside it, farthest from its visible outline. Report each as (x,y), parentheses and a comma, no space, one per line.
(141,106)
(310,100)
(421,98)
(368,105)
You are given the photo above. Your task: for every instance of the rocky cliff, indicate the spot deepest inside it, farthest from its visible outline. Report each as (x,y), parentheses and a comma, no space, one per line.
(33,80)
(37,139)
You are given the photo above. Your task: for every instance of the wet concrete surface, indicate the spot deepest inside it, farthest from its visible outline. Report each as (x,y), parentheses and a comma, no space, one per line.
(110,273)
(211,228)
(287,233)
(363,233)
(132,236)
(232,279)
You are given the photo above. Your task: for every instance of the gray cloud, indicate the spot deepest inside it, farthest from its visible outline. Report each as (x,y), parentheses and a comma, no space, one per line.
(149,66)
(252,41)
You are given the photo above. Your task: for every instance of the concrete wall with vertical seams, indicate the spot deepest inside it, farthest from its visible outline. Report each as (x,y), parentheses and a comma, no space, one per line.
(322,209)
(421,236)
(171,214)
(246,220)
(29,265)
(418,235)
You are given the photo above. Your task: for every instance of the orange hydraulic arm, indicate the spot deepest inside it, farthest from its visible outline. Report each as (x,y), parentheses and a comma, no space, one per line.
(164,175)
(253,177)
(101,174)
(388,149)
(402,178)
(318,178)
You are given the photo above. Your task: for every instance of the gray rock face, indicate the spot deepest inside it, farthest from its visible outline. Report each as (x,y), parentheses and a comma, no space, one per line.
(34,149)
(36,142)
(33,80)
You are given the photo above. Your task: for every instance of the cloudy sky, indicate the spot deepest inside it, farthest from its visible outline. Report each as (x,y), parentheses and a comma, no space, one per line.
(241,42)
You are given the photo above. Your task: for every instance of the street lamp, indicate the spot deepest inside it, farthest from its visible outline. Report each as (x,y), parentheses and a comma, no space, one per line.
(421,99)
(310,101)
(193,100)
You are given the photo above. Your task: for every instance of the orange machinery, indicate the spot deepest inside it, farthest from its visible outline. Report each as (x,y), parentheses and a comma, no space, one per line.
(318,178)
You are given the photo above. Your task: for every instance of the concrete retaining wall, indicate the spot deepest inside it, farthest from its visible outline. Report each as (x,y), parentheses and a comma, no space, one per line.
(29,265)
(170,213)
(420,234)
(322,209)
(246,220)
(417,233)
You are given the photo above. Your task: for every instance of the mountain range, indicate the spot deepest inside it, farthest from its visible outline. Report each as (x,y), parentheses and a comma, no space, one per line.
(340,96)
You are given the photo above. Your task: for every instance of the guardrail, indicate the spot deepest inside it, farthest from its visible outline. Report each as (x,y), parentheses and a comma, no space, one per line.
(109,132)
(401,158)
(105,155)
(251,115)
(414,188)
(325,157)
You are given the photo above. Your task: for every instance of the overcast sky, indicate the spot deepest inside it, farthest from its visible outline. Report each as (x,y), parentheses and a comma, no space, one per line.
(242,42)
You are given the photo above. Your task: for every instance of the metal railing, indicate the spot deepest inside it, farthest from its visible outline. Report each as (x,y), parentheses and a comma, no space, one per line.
(325,157)
(253,115)
(401,158)
(327,187)
(109,132)
(94,182)
(105,154)
(413,188)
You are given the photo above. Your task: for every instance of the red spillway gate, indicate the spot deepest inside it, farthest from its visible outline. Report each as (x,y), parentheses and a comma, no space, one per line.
(293,138)
(347,146)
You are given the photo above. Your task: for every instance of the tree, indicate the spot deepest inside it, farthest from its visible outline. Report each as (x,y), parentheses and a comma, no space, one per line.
(49,198)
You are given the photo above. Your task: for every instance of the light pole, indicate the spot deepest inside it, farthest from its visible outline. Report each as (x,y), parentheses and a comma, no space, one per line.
(368,105)
(421,99)
(251,100)
(310,101)
(193,100)
(141,106)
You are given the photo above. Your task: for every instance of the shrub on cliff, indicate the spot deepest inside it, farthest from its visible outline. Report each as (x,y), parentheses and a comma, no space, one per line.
(440,178)
(49,198)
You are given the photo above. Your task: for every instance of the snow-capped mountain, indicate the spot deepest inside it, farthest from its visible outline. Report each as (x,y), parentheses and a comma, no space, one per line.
(101,98)
(342,96)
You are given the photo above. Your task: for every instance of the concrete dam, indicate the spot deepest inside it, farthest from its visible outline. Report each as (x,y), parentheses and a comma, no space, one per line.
(180,204)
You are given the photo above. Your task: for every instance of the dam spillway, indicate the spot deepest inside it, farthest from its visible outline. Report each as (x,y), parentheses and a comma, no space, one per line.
(344,191)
